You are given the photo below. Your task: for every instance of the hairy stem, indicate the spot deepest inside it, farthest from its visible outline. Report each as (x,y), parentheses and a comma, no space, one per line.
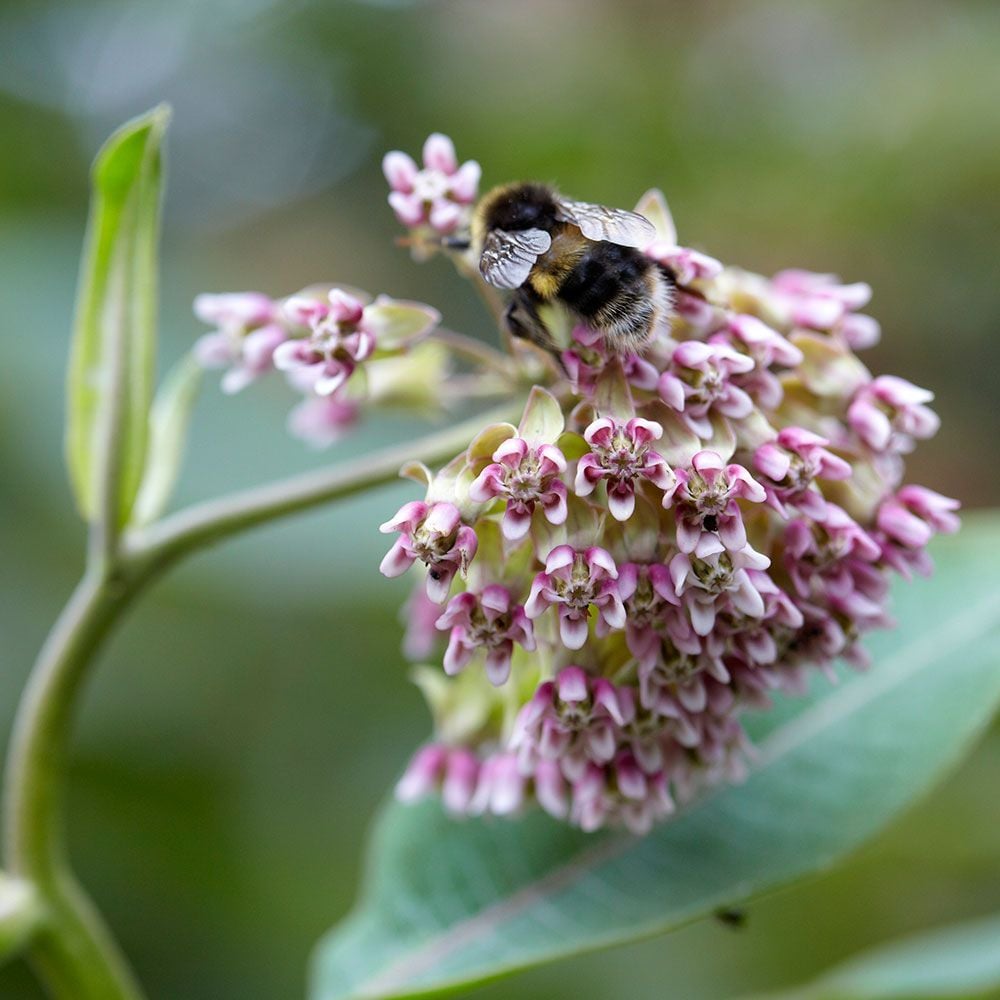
(72,950)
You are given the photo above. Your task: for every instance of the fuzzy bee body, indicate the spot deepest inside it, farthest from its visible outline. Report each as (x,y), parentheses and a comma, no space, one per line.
(547,248)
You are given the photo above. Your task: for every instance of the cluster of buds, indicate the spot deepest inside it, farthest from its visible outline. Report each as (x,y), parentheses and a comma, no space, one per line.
(336,347)
(664,540)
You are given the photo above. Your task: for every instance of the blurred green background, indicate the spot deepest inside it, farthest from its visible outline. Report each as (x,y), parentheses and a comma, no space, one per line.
(246,720)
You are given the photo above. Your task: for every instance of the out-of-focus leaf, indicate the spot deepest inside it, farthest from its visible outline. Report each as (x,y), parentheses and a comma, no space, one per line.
(450,903)
(114,336)
(168,425)
(20,915)
(961,960)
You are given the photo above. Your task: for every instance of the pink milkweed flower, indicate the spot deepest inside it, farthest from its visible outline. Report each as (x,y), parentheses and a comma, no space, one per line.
(791,464)
(620,454)
(699,380)
(823,553)
(434,534)
(452,770)
(525,474)
(587,357)
(647,594)
(322,420)
(501,786)
(337,344)
(754,639)
(818,301)
(889,413)
(574,580)
(573,720)
(419,616)
(705,500)
(437,195)
(247,333)
(491,621)
(712,579)
(673,686)
(687,265)
(859,331)
(767,347)
(620,793)
(915,514)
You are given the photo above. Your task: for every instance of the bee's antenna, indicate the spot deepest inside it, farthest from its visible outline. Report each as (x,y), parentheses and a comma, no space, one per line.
(456,242)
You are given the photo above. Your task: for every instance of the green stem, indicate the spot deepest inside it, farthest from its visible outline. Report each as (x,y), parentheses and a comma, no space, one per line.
(72,950)
(206,523)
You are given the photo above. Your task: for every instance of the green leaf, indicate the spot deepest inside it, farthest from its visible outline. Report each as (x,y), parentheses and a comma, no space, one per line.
(20,915)
(110,382)
(653,205)
(962,960)
(447,904)
(396,324)
(168,425)
(542,422)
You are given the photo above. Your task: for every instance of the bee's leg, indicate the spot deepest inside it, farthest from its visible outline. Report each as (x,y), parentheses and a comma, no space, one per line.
(522,320)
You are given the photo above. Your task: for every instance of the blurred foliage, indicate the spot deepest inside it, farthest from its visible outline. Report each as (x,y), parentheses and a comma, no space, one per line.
(246,721)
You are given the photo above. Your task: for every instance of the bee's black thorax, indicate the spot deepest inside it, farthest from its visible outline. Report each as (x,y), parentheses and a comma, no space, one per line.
(619,290)
(520,206)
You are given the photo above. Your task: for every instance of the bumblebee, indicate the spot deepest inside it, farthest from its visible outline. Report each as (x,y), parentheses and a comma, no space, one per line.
(548,248)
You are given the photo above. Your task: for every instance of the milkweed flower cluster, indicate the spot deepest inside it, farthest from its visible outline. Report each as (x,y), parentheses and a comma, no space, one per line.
(326,341)
(661,542)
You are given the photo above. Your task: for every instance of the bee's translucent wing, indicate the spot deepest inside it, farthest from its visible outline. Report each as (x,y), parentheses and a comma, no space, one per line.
(598,222)
(508,258)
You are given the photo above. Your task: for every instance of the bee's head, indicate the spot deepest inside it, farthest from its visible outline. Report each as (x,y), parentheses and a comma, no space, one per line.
(519,206)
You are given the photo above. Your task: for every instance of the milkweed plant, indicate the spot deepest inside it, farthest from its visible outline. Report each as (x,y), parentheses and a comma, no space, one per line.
(613,567)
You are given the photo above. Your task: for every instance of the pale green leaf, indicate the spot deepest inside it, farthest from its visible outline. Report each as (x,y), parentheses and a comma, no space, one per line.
(961,960)
(447,903)
(542,422)
(168,425)
(395,324)
(110,381)
(653,205)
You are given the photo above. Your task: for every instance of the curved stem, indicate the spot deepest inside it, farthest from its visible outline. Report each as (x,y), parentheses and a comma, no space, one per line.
(206,523)
(72,950)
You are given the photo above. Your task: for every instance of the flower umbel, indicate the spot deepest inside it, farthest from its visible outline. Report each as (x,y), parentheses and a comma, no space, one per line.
(664,540)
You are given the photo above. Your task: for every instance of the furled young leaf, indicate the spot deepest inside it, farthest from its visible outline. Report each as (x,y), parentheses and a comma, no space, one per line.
(450,903)
(110,383)
(168,424)
(961,960)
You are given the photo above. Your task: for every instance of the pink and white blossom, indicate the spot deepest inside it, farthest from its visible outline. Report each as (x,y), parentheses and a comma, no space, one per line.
(526,476)
(700,381)
(489,621)
(434,535)
(247,332)
(574,581)
(705,499)
(439,193)
(890,413)
(621,456)
(791,464)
